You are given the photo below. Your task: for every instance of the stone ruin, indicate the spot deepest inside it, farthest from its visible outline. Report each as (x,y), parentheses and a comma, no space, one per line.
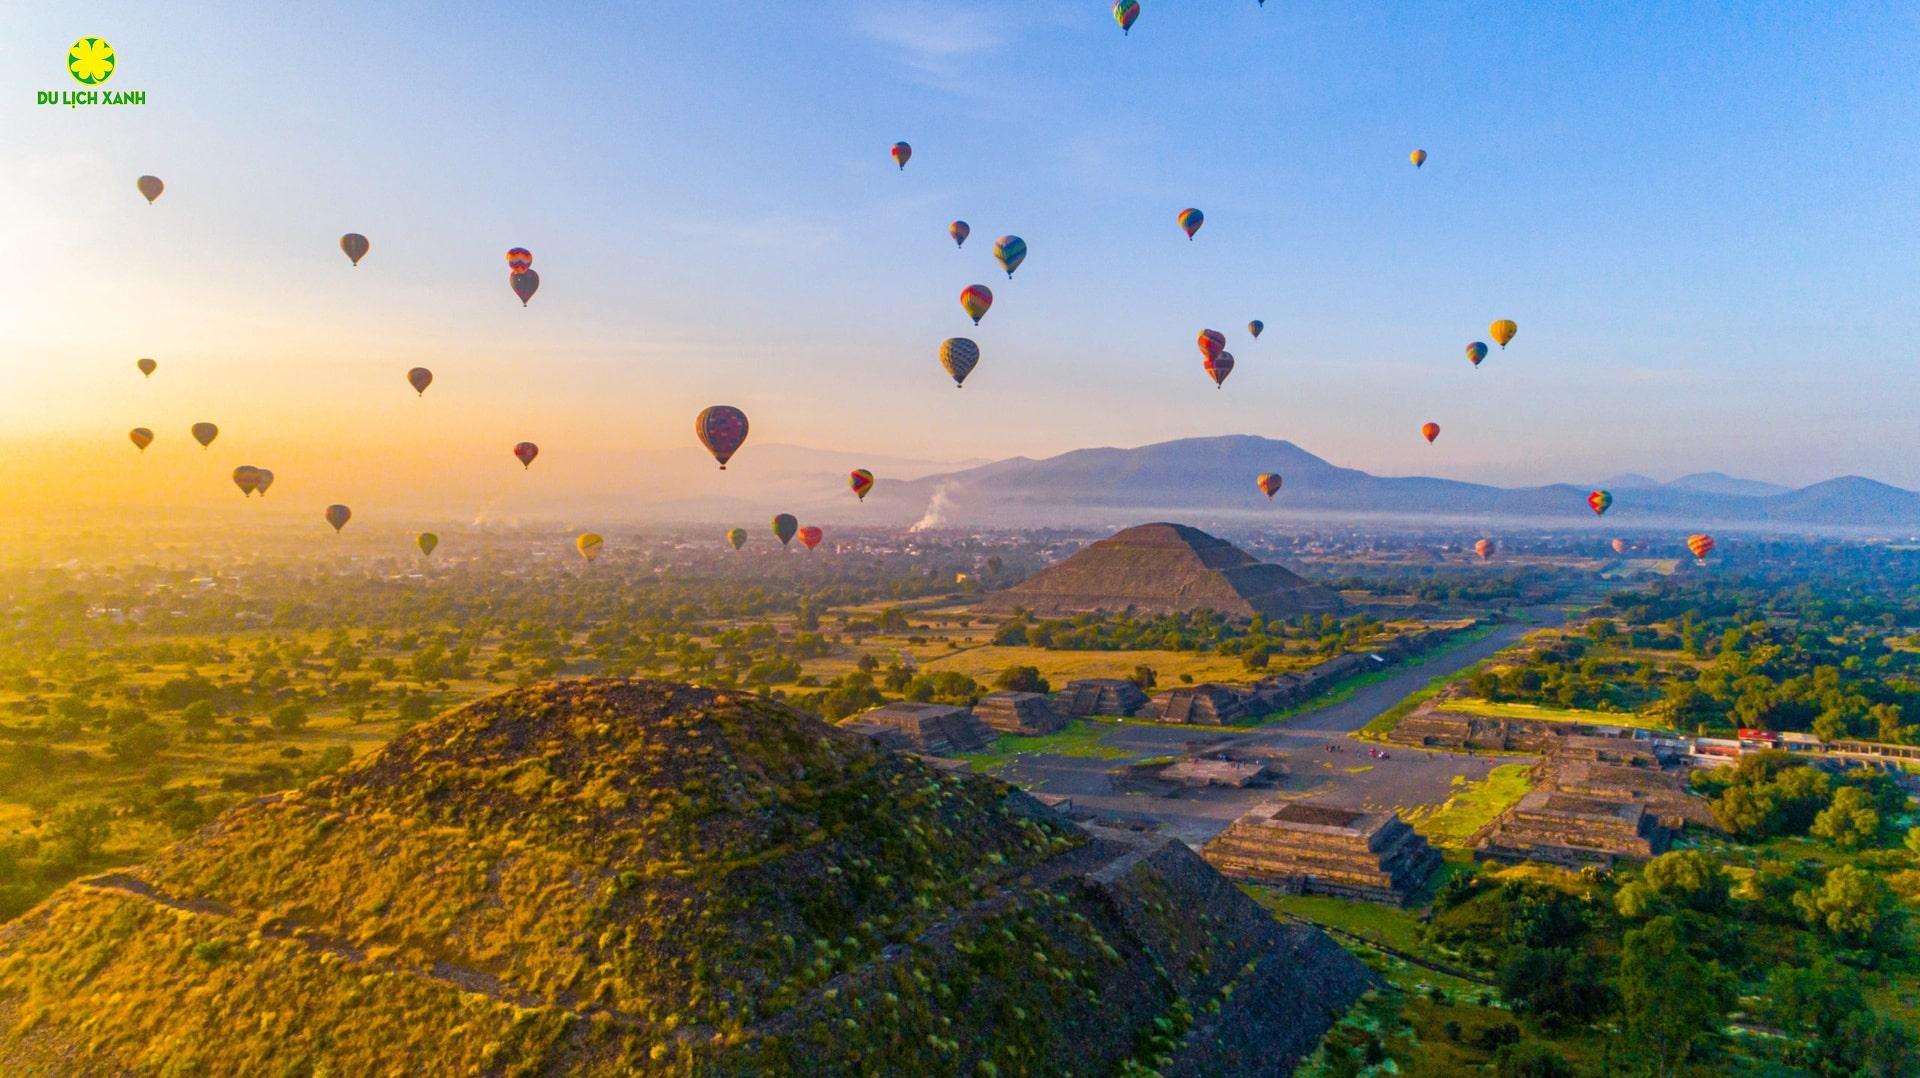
(1206,704)
(1223,771)
(1571,831)
(1100,696)
(934,729)
(1028,713)
(1307,848)
(1662,791)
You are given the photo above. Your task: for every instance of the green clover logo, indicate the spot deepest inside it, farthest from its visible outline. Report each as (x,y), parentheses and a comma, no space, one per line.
(90,61)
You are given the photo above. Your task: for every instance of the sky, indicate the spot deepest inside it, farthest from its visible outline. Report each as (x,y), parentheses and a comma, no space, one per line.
(1701,216)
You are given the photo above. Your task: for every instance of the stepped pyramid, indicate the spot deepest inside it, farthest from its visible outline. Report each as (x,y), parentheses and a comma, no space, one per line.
(1163,569)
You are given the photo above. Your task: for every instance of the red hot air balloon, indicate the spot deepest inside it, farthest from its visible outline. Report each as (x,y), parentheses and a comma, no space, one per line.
(1268,483)
(420,378)
(860,481)
(721,428)
(901,152)
(1484,548)
(1219,367)
(784,527)
(1212,342)
(525,284)
(1598,501)
(975,299)
(810,536)
(338,515)
(519,260)
(525,452)
(1701,546)
(1429,431)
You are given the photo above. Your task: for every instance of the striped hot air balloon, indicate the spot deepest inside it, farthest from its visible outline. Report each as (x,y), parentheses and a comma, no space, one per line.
(354,246)
(1598,501)
(519,260)
(860,481)
(1190,221)
(141,438)
(1212,342)
(959,231)
(1126,12)
(975,299)
(1218,367)
(1476,352)
(959,356)
(1268,483)
(1010,251)
(1701,546)
(247,478)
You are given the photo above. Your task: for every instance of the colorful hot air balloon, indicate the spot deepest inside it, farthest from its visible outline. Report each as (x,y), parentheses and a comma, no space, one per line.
(975,299)
(426,541)
(355,245)
(1429,431)
(959,231)
(901,152)
(861,481)
(147,366)
(588,544)
(150,186)
(525,284)
(1476,352)
(959,356)
(810,537)
(141,437)
(1254,327)
(1011,251)
(1418,157)
(525,452)
(1219,367)
(1124,13)
(1190,221)
(265,480)
(721,428)
(1503,331)
(247,478)
(737,537)
(1619,546)
(1598,502)
(1484,548)
(205,433)
(1212,342)
(519,260)
(338,515)
(420,378)
(1701,546)
(784,527)
(1268,483)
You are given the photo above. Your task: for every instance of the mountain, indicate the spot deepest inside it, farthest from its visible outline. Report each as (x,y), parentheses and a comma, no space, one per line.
(1722,483)
(619,877)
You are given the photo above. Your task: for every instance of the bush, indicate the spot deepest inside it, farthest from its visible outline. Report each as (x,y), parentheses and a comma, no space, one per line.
(1021,679)
(289,718)
(1530,1061)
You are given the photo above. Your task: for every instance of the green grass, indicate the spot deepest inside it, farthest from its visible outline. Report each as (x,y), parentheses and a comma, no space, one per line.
(1390,925)
(1378,727)
(1082,737)
(1472,806)
(1505,710)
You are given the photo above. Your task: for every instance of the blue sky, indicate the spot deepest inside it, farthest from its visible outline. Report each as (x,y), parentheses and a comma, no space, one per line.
(1703,218)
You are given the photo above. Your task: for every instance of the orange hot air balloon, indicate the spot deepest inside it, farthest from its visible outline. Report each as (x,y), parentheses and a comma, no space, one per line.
(861,481)
(1218,368)
(1598,501)
(150,186)
(141,437)
(420,378)
(737,537)
(1619,546)
(1268,483)
(1212,342)
(1429,431)
(146,366)
(784,527)
(338,515)
(354,246)
(1701,546)
(1418,157)
(901,152)
(810,536)
(588,544)
(1484,548)
(525,452)
(1503,331)
(975,299)
(525,284)
(247,478)
(722,428)
(519,260)
(205,433)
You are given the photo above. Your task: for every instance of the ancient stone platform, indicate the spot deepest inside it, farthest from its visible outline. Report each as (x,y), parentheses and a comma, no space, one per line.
(935,729)
(1311,848)
(1029,713)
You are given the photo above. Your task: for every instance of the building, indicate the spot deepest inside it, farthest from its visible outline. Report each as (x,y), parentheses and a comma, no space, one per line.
(1309,848)
(934,729)
(1029,713)
(1571,831)
(1100,696)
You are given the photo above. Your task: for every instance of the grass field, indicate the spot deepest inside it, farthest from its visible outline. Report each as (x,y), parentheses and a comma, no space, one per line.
(1504,710)
(1082,737)
(1377,728)
(1472,806)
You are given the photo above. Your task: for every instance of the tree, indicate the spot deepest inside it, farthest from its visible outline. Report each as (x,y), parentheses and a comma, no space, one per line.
(137,743)
(1850,821)
(199,716)
(1853,905)
(1021,679)
(1144,678)
(1530,1060)
(1561,986)
(1670,997)
(289,718)
(1688,877)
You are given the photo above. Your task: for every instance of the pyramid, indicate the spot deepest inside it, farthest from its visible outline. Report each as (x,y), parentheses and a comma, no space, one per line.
(1164,569)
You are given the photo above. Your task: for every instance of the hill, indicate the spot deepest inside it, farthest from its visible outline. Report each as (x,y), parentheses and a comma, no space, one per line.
(610,877)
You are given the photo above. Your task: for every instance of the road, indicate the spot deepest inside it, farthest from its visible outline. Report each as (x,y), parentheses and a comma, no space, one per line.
(1328,764)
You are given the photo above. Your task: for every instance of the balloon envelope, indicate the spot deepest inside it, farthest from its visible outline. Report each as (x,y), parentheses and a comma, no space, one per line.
(146,366)
(1476,352)
(141,437)
(959,356)
(525,284)
(784,527)
(1011,251)
(247,478)
(519,260)
(1619,546)
(1598,501)
(1212,342)
(588,544)
(1190,221)
(355,245)
(420,378)
(150,186)
(901,152)
(1125,12)
(1484,548)
(524,452)
(721,428)
(1218,367)
(1418,157)
(338,515)
(1254,327)
(737,537)
(860,481)
(959,231)
(1700,545)
(975,299)
(426,541)
(265,480)
(810,537)
(1502,331)
(1429,431)
(1268,483)
(205,433)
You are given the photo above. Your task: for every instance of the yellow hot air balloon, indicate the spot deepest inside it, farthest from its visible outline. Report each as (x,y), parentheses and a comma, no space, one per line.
(1418,157)
(588,545)
(737,537)
(426,541)
(1502,331)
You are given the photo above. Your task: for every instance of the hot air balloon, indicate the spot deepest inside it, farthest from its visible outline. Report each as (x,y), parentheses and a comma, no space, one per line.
(420,378)
(901,152)
(1484,548)
(205,433)
(588,544)
(1254,327)
(861,481)
(810,537)
(146,366)
(1124,13)
(426,541)
(1598,502)
(338,515)
(355,245)
(519,260)
(247,478)
(1418,157)
(150,186)
(1476,352)
(1011,251)
(525,452)
(141,437)
(721,428)
(1212,342)
(959,231)
(525,284)
(975,299)
(264,479)
(1190,221)
(1503,331)
(1701,546)
(959,356)
(1219,367)
(784,526)
(1268,483)
(1619,546)
(1429,431)
(737,537)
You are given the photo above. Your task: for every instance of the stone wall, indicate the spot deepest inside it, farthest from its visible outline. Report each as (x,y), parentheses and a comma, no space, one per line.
(1308,848)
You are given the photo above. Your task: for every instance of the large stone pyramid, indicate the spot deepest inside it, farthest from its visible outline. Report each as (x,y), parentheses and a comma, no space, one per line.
(1165,568)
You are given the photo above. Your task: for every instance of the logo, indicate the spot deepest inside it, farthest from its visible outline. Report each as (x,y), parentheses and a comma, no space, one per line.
(90,61)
